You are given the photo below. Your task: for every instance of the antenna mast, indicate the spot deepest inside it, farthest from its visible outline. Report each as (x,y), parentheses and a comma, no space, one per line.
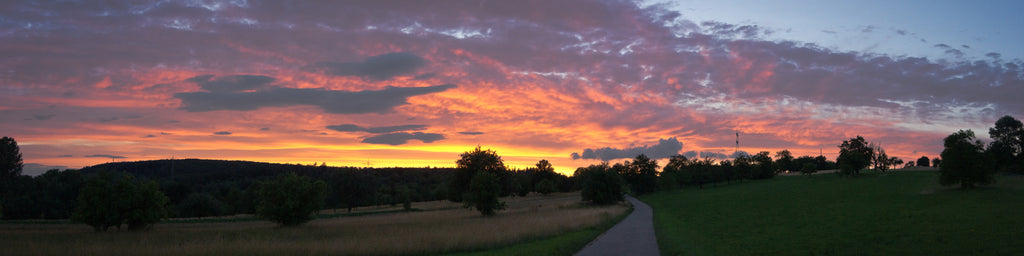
(737,150)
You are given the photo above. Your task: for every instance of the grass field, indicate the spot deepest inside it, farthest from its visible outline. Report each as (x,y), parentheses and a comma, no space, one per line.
(557,224)
(894,213)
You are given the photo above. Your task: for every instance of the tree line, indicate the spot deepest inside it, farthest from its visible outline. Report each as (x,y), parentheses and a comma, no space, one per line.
(137,194)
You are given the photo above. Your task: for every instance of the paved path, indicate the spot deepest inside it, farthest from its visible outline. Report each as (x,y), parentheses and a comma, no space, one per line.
(633,236)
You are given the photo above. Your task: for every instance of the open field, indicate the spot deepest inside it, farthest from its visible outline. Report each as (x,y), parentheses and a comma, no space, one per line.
(895,213)
(544,222)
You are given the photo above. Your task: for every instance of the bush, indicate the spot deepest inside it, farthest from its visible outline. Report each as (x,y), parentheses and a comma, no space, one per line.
(108,201)
(545,187)
(290,200)
(483,193)
(200,205)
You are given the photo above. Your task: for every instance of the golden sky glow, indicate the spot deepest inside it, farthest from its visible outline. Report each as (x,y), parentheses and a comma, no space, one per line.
(379,84)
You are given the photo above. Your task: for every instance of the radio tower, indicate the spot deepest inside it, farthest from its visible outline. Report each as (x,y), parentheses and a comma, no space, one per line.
(737,150)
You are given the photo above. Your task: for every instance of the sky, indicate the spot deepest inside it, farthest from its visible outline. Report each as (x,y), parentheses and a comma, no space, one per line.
(416,83)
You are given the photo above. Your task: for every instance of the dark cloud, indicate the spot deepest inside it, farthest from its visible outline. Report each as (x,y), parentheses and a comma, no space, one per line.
(471,133)
(43,117)
(222,133)
(336,102)
(265,129)
(65,156)
(380,67)
(382,129)
(400,138)
(106,156)
(664,149)
(149,136)
(233,83)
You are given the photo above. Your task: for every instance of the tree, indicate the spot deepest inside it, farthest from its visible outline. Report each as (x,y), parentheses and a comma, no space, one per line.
(896,162)
(471,162)
(923,161)
(1007,144)
(601,184)
(483,193)
(10,158)
(762,166)
(290,199)
(641,174)
(544,166)
(936,161)
(881,160)
(675,174)
(784,161)
(854,155)
(808,169)
(106,201)
(965,161)
(909,164)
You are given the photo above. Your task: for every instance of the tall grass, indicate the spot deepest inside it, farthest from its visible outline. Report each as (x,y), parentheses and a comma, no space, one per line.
(901,213)
(446,229)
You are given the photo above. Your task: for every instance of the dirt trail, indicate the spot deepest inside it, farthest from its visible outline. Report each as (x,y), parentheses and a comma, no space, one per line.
(633,236)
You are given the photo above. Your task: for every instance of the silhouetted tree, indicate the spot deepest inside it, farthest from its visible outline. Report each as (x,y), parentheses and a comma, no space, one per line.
(854,155)
(483,193)
(108,201)
(965,161)
(10,159)
(675,174)
(55,193)
(290,199)
(469,164)
(936,162)
(924,161)
(881,160)
(909,164)
(808,169)
(1007,144)
(641,174)
(762,166)
(784,161)
(895,162)
(601,184)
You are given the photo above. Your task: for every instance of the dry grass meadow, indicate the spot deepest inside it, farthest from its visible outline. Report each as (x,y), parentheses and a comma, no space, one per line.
(440,227)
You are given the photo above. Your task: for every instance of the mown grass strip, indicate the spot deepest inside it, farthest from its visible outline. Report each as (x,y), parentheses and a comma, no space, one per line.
(896,213)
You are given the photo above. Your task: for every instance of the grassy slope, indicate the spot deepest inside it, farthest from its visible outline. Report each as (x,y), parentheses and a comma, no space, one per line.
(903,213)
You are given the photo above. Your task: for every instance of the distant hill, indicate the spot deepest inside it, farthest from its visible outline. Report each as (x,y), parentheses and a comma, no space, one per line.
(231,181)
(209,170)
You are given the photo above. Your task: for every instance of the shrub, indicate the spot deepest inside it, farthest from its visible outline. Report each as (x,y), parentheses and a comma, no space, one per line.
(200,205)
(290,200)
(545,187)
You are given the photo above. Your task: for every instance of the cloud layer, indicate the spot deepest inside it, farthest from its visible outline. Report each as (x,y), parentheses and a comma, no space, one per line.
(231,93)
(543,79)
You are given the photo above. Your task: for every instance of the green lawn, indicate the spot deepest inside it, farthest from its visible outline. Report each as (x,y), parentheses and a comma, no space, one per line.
(895,213)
